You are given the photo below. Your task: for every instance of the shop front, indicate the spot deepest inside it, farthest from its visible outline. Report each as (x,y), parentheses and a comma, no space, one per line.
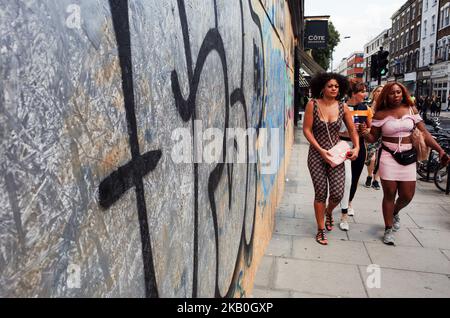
(440,82)
(409,81)
(423,84)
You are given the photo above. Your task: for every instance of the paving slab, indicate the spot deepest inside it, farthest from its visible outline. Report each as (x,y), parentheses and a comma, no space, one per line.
(432,238)
(319,278)
(285,210)
(269,293)
(424,209)
(309,295)
(373,233)
(337,251)
(431,221)
(265,271)
(407,284)
(446,253)
(280,245)
(377,218)
(420,259)
(302,227)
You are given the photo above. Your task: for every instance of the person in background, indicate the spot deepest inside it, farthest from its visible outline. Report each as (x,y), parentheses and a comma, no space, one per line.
(426,106)
(433,107)
(323,117)
(373,177)
(361,113)
(393,122)
(438,105)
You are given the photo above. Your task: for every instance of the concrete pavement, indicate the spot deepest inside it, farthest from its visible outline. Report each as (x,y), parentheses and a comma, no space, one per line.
(296,266)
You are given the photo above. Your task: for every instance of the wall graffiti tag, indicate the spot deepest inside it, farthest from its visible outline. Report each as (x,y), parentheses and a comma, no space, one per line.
(108,149)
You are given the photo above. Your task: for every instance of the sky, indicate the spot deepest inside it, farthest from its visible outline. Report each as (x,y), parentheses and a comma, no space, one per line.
(361,20)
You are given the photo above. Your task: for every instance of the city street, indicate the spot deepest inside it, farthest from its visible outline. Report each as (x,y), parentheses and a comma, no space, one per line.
(295,265)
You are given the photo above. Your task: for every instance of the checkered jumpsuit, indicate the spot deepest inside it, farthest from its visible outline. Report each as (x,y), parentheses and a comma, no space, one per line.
(321,172)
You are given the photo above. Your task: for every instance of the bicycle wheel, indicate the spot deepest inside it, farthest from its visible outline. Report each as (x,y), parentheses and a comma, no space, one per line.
(440,178)
(422,166)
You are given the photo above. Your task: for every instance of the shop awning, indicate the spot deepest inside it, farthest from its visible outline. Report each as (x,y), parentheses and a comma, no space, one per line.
(308,64)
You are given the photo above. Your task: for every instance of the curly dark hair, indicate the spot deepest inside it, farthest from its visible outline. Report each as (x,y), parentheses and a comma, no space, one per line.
(319,81)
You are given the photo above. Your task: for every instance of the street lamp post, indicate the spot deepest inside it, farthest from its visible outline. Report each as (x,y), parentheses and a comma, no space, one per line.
(332,53)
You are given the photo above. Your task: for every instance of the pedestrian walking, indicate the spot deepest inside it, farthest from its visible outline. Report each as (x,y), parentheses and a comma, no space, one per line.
(438,106)
(433,106)
(394,120)
(323,117)
(361,113)
(373,177)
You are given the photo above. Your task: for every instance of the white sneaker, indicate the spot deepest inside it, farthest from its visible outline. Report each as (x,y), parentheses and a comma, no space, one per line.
(389,238)
(351,212)
(343,225)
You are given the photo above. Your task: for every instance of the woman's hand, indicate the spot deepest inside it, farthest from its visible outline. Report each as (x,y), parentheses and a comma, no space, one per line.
(444,158)
(326,156)
(362,129)
(353,154)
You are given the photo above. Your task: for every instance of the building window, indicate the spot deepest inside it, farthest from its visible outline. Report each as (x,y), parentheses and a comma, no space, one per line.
(416,59)
(413,13)
(426,5)
(424,28)
(446,14)
(431,53)
(423,56)
(444,50)
(418,33)
(433,25)
(447,51)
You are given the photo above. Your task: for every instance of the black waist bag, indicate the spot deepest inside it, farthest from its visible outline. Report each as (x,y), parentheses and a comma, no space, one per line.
(404,158)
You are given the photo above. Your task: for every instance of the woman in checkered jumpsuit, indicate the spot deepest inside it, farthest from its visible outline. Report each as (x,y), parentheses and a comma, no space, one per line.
(324,114)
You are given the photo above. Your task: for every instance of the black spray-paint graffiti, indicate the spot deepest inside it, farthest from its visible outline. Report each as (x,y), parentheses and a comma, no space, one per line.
(131,174)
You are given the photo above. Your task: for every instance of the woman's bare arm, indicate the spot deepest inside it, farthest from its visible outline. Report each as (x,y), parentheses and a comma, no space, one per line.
(307,126)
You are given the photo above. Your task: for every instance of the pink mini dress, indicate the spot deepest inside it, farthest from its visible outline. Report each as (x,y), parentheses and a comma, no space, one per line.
(396,127)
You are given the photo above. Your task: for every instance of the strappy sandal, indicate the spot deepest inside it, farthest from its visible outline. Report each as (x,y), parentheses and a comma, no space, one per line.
(329,222)
(321,238)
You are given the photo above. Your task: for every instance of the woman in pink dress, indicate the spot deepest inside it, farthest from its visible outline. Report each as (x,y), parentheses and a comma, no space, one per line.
(394,120)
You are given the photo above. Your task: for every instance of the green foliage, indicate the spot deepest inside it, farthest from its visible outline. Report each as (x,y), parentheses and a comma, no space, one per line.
(322,56)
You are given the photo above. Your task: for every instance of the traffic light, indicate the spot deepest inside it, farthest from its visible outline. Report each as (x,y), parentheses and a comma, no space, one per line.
(383,62)
(374,66)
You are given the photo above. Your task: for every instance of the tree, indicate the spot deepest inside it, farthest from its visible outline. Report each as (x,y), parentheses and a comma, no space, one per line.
(322,56)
